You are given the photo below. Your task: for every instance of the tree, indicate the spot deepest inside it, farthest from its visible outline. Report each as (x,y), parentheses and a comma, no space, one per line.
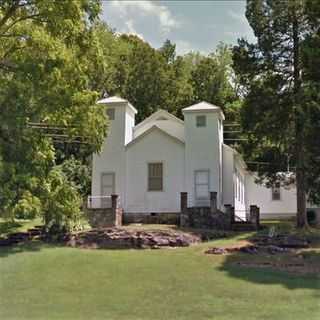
(280,111)
(168,50)
(212,76)
(150,79)
(46,52)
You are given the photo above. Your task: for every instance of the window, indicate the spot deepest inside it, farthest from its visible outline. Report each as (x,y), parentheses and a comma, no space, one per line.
(201,121)
(276,192)
(110,113)
(155,177)
(202,184)
(107,188)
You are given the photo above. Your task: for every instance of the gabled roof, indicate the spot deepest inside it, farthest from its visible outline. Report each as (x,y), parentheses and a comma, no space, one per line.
(115,100)
(203,107)
(158,114)
(151,129)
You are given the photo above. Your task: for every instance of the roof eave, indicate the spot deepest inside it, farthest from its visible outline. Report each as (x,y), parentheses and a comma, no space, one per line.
(135,111)
(204,111)
(154,127)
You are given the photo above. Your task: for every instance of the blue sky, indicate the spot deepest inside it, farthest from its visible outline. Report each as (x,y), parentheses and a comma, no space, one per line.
(192,25)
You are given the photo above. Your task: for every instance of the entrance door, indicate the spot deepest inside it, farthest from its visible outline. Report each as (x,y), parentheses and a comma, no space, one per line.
(201,179)
(107,188)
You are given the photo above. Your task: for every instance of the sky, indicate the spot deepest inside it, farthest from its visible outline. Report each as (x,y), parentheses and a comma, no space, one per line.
(191,25)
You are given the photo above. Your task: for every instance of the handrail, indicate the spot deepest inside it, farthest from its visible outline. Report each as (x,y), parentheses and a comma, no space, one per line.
(96,202)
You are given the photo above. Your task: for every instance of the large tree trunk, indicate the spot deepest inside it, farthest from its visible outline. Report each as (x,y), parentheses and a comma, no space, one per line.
(299,128)
(301,192)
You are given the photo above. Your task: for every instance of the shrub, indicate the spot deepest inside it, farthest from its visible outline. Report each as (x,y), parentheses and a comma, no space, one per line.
(61,203)
(28,207)
(77,173)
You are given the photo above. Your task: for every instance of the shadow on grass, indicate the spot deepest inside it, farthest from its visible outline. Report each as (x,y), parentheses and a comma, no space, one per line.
(29,246)
(296,269)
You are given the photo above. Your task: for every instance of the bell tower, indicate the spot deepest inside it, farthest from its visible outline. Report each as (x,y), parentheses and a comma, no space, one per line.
(108,166)
(203,152)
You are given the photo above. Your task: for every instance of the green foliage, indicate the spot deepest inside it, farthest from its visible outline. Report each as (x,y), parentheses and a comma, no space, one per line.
(28,207)
(56,58)
(277,74)
(211,78)
(49,57)
(61,203)
(77,173)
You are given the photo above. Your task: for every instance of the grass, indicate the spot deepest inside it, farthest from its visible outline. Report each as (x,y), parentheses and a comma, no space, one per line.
(40,281)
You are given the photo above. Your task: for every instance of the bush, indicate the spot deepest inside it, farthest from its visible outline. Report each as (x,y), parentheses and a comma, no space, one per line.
(77,173)
(312,217)
(61,203)
(28,207)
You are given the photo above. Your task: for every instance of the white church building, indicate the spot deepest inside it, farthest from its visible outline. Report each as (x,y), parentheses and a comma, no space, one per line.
(149,164)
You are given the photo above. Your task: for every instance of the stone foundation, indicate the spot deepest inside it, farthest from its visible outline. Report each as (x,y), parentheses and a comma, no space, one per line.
(203,217)
(151,218)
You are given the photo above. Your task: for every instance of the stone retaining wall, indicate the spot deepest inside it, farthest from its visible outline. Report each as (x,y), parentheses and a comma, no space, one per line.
(105,217)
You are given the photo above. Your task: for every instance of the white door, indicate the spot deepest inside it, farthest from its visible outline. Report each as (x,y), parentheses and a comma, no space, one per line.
(201,179)
(107,188)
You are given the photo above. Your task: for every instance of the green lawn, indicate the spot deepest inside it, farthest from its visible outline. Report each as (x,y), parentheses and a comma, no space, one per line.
(45,282)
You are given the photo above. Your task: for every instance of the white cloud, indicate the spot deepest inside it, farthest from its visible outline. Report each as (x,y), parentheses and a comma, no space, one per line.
(131,29)
(130,10)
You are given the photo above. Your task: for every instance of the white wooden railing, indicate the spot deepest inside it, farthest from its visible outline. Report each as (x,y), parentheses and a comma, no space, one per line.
(99,202)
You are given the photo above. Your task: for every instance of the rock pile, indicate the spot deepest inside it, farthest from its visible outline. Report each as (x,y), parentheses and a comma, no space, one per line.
(121,238)
(20,237)
(264,244)
(250,249)
(282,241)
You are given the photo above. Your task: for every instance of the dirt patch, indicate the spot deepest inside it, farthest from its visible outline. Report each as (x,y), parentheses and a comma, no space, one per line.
(285,253)
(249,248)
(263,244)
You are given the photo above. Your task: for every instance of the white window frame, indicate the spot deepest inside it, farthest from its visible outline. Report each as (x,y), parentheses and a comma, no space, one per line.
(201,184)
(105,202)
(148,176)
(200,124)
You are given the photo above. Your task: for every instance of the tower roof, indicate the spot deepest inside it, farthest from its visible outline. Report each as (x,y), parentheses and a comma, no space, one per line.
(115,100)
(203,106)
